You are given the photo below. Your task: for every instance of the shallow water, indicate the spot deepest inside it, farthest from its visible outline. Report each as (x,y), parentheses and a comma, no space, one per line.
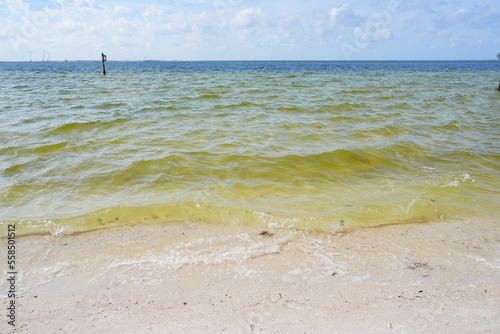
(308,145)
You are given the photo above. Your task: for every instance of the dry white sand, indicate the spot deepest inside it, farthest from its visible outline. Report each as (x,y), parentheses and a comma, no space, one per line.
(418,278)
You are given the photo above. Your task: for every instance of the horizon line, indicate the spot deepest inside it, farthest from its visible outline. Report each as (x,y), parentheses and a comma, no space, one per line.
(235,60)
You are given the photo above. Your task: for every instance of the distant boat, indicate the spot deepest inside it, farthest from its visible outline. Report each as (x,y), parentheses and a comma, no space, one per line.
(498,56)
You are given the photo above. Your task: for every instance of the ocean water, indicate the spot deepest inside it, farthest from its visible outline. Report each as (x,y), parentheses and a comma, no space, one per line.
(295,145)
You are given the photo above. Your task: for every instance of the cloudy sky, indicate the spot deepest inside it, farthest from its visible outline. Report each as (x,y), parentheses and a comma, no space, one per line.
(249,29)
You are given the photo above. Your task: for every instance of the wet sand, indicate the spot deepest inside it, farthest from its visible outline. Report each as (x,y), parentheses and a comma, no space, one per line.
(176,278)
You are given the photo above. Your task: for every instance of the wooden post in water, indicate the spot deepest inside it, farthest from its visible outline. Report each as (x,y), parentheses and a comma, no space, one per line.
(103,66)
(498,56)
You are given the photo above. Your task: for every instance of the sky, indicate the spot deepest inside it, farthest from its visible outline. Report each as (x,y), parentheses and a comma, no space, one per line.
(249,30)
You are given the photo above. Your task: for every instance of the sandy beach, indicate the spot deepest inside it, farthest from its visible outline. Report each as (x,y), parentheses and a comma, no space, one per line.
(178,278)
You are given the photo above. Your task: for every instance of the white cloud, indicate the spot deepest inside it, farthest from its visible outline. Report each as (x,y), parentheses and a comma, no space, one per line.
(16,6)
(247,17)
(371,35)
(335,12)
(344,16)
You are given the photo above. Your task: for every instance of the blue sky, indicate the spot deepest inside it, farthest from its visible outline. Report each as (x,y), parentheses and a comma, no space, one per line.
(249,30)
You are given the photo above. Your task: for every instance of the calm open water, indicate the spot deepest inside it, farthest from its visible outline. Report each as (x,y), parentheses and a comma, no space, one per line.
(322,145)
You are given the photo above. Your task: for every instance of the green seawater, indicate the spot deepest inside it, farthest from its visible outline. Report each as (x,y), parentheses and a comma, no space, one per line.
(323,149)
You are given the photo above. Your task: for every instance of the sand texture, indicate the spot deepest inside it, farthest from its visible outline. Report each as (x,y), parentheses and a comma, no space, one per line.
(415,278)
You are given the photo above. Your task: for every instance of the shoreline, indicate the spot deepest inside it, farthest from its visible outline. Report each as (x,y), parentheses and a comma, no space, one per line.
(171,278)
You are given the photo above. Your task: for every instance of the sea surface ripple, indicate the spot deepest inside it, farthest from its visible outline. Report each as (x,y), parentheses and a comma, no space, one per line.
(308,145)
